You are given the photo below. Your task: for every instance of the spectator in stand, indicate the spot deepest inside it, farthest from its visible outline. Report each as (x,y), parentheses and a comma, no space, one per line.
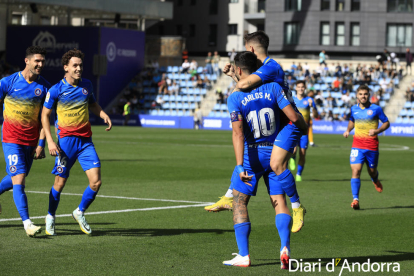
(184,55)
(220,95)
(374,99)
(383,83)
(390,87)
(408,60)
(159,102)
(200,83)
(392,60)
(134,102)
(232,55)
(330,102)
(306,68)
(193,65)
(127,113)
(185,66)
(208,61)
(330,116)
(293,69)
(174,88)
(335,84)
(300,69)
(338,70)
(319,99)
(162,85)
(336,117)
(207,83)
(215,62)
(322,57)
(346,98)
(349,85)
(291,82)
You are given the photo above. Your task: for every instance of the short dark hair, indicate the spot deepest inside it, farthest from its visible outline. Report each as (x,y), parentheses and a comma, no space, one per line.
(247,61)
(70,54)
(259,37)
(33,50)
(302,82)
(363,87)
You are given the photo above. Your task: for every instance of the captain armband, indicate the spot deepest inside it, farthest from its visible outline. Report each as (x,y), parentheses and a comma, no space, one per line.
(235,116)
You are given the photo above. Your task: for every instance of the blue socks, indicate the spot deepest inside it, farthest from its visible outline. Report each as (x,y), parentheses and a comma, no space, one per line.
(6,184)
(283,227)
(300,170)
(87,198)
(373,179)
(288,184)
(355,186)
(242,232)
(20,200)
(54,198)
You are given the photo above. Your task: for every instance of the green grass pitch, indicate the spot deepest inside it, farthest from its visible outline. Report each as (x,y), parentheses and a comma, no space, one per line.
(188,165)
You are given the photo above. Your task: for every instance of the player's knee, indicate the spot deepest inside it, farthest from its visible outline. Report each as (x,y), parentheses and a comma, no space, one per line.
(277,167)
(95,185)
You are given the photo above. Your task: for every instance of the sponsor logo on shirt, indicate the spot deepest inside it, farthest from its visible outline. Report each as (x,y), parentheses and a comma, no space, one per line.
(38,92)
(85,91)
(47,97)
(72,114)
(20,112)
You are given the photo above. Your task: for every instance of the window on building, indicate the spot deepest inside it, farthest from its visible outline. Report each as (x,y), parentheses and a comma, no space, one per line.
(192,30)
(260,27)
(212,37)
(233,1)
(232,29)
(399,35)
(292,33)
(179,30)
(340,34)
(261,6)
(340,5)
(355,5)
(325,5)
(213,6)
(180,2)
(355,34)
(400,6)
(293,5)
(193,2)
(325,33)
(45,20)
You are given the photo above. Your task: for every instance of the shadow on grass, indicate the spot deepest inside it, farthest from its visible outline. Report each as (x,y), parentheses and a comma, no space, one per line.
(155,232)
(128,160)
(336,180)
(397,256)
(392,207)
(57,225)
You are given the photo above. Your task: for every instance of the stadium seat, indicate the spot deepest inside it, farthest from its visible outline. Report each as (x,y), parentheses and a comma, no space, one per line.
(180,113)
(186,106)
(173,105)
(406,120)
(166,105)
(410,113)
(216,107)
(403,112)
(382,104)
(386,97)
(173,113)
(153,112)
(161,112)
(211,114)
(399,120)
(167,113)
(407,105)
(223,107)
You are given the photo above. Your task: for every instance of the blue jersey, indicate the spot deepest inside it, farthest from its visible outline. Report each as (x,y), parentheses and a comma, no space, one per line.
(364,120)
(259,110)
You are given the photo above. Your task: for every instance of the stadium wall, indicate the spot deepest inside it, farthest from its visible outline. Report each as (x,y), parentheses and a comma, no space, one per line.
(213,123)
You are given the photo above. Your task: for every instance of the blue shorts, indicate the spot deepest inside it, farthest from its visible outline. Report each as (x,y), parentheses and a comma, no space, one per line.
(19,158)
(72,148)
(304,141)
(288,138)
(361,156)
(256,162)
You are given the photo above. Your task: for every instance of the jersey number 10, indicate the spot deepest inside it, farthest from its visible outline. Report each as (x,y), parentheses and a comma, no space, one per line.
(259,124)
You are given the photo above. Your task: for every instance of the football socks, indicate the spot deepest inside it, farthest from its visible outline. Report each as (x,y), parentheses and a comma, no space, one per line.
(54,198)
(229,192)
(283,222)
(375,179)
(242,232)
(87,198)
(20,200)
(355,186)
(287,181)
(300,170)
(6,184)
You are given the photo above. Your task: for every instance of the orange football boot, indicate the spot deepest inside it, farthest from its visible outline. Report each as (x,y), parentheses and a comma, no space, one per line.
(378,186)
(355,204)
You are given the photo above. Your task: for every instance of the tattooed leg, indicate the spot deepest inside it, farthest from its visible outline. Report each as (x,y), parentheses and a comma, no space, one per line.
(240,202)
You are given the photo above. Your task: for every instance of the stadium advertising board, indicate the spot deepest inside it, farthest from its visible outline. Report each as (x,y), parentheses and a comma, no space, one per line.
(57,41)
(124,50)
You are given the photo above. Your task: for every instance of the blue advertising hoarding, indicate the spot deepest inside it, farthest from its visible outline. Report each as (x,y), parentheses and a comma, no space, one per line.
(57,40)
(125,50)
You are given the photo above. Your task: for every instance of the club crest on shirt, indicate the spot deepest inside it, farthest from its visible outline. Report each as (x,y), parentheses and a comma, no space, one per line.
(305,102)
(369,112)
(85,91)
(38,92)
(353,159)
(59,169)
(13,169)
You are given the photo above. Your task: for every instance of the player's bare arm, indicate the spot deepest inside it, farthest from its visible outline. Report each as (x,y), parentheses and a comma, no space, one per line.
(53,148)
(39,152)
(350,127)
(384,127)
(97,110)
(295,118)
(249,83)
(238,144)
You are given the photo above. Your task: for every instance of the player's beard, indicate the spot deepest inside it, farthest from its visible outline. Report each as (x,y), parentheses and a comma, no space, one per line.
(33,71)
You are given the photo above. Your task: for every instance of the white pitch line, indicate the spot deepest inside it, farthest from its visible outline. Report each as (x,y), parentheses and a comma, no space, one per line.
(132,198)
(117,211)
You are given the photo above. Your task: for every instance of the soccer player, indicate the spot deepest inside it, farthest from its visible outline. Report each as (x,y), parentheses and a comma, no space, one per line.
(256,123)
(304,104)
(364,117)
(23,94)
(270,71)
(72,96)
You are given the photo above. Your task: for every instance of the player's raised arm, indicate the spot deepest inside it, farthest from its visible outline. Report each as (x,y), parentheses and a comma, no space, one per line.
(53,148)
(249,83)
(97,110)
